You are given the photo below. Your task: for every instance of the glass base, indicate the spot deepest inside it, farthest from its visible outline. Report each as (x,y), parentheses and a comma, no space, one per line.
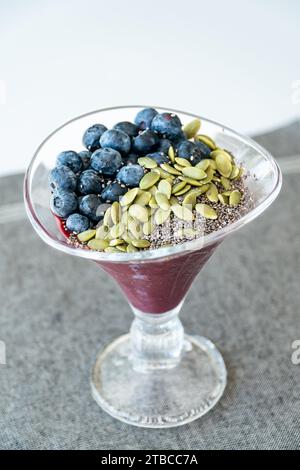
(159,398)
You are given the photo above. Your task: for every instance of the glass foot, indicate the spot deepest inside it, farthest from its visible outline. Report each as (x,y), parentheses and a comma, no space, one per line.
(159,398)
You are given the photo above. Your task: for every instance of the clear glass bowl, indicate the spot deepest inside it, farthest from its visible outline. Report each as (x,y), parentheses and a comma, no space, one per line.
(155,376)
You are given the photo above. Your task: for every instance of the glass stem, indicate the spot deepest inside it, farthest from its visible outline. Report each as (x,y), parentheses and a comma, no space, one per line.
(157,340)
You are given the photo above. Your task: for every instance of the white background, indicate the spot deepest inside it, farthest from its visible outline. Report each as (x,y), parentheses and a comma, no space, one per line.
(234,61)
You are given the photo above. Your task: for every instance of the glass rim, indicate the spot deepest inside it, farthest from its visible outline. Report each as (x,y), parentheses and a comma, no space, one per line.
(157,253)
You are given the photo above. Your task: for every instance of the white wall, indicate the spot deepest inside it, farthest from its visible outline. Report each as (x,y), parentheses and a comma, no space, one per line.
(235,61)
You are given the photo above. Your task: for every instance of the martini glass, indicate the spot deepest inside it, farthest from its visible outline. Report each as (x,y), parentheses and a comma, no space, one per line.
(154,376)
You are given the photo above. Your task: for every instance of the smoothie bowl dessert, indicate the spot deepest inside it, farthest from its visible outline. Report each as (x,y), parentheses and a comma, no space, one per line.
(148,194)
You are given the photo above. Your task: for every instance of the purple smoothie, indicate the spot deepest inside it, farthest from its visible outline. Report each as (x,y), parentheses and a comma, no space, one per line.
(157,286)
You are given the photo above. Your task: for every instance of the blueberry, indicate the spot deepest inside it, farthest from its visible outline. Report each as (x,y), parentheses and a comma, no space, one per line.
(90,182)
(145,142)
(168,125)
(85,156)
(131,158)
(159,157)
(128,127)
(144,118)
(63,203)
(112,192)
(91,137)
(91,206)
(106,161)
(189,151)
(204,149)
(164,145)
(77,223)
(70,159)
(62,177)
(116,140)
(130,175)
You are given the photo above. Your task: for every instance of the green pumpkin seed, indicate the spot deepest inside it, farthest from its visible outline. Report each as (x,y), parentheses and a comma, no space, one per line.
(86,235)
(134,228)
(182,161)
(141,243)
(122,248)
(152,190)
(153,203)
(169,169)
(191,197)
(234,172)
(204,164)
(171,154)
(178,187)
(101,232)
(117,230)
(115,212)
(235,198)
(148,228)
(223,152)
(116,241)
(131,248)
(212,193)
(209,175)
(183,191)
(149,179)
(111,249)
(163,174)
(107,218)
(164,187)
(194,172)
(206,140)
(206,211)
(223,199)
(143,198)
(204,188)
(138,212)
(161,216)
(225,183)
(224,166)
(183,213)
(190,181)
(147,162)
(241,172)
(98,245)
(173,201)
(191,129)
(178,167)
(129,197)
(162,201)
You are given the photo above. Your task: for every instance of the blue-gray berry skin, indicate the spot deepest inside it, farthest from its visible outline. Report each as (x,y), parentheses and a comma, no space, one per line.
(128,127)
(168,125)
(159,157)
(144,118)
(131,158)
(203,148)
(77,223)
(107,161)
(117,140)
(91,206)
(145,142)
(85,156)
(113,192)
(63,203)
(90,182)
(91,137)
(130,175)
(70,159)
(164,145)
(62,177)
(189,150)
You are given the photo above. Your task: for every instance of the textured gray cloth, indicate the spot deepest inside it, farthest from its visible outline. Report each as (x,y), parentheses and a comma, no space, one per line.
(57,311)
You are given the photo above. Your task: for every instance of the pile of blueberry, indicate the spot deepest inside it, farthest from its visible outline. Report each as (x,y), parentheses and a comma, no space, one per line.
(84,184)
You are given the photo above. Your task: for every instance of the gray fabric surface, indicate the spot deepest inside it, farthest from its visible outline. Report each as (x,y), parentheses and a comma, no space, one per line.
(56,311)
